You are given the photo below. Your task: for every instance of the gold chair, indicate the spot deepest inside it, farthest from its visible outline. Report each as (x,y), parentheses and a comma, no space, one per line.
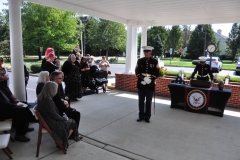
(42,126)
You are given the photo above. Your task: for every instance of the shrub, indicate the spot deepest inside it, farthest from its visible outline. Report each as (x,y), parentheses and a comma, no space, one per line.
(163,72)
(36,68)
(187,75)
(172,73)
(217,78)
(113,60)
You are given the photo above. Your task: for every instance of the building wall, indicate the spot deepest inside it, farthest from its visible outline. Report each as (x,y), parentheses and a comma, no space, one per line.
(222,45)
(128,82)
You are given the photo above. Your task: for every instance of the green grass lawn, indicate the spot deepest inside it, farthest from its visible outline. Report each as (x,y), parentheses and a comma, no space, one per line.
(228,65)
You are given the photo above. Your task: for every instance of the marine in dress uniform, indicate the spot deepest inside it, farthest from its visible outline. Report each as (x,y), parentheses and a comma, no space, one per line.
(203,70)
(147,70)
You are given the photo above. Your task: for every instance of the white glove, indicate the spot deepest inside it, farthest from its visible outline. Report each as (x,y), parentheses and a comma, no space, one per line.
(147,80)
(143,83)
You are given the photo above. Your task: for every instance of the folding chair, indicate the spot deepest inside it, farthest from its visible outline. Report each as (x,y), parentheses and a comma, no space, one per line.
(6,126)
(42,126)
(4,140)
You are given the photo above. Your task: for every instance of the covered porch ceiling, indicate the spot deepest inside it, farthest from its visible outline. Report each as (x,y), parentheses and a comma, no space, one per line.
(154,12)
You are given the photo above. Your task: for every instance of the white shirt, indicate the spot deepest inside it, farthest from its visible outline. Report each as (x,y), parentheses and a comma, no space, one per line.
(104,65)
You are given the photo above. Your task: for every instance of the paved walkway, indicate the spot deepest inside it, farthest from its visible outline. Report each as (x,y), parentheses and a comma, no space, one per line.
(111,132)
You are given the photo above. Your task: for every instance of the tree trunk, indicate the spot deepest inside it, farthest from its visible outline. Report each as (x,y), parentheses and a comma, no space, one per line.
(107,54)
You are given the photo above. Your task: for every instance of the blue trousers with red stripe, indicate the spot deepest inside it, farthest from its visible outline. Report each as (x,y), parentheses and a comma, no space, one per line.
(142,95)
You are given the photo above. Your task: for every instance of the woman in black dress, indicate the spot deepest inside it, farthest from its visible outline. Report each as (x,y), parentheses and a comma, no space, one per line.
(84,73)
(72,78)
(49,65)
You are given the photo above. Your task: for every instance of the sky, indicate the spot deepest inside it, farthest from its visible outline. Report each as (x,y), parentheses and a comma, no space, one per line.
(225,27)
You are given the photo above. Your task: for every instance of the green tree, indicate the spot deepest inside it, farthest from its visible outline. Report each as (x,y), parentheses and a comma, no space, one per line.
(91,37)
(108,35)
(186,35)
(195,46)
(48,27)
(174,39)
(233,40)
(4,26)
(5,49)
(158,46)
(152,34)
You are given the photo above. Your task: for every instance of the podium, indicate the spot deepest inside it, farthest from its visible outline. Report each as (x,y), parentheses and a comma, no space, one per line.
(198,99)
(200,83)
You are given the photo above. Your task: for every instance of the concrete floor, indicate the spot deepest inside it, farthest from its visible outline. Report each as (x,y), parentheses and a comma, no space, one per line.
(111,132)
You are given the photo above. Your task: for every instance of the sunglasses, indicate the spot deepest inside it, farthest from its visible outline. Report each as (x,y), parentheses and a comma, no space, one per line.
(1,60)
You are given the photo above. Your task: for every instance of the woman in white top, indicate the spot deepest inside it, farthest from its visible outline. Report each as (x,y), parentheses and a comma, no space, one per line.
(104,65)
(91,61)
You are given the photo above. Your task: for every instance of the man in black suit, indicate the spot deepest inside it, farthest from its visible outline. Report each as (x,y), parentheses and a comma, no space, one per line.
(61,101)
(11,109)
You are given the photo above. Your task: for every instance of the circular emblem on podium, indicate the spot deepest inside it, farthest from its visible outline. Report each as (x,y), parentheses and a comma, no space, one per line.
(196,99)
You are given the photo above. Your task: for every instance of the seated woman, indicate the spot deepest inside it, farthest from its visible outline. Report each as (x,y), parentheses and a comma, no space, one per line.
(42,79)
(61,127)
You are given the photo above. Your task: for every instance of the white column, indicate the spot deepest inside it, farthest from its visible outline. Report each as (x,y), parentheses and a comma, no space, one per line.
(16,49)
(128,49)
(134,49)
(143,40)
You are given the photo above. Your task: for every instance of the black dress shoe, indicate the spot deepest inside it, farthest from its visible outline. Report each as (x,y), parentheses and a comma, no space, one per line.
(139,119)
(21,138)
(147,120)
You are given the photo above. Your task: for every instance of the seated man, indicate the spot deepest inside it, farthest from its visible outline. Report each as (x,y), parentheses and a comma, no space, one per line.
(10,109)
(59,99)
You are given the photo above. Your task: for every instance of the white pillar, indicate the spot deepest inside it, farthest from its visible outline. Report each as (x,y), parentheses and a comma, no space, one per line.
(134,49)
(128,49)
(16,49)
(143,40)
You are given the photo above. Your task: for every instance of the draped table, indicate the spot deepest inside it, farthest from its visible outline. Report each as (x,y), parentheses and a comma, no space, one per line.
(200,100)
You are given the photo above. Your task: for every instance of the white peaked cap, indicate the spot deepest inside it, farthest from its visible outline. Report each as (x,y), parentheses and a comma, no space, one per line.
(202,58)
(147,48)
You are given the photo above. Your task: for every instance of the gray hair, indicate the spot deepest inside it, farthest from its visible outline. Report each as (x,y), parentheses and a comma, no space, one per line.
(78,54)
(42,77)
(69,57)
(49,90)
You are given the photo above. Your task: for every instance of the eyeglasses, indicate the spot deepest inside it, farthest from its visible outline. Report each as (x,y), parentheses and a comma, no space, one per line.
(1,60)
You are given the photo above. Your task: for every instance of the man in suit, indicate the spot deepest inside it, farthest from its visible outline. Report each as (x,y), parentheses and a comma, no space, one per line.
(147,70)
(61,101)
(11,109)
